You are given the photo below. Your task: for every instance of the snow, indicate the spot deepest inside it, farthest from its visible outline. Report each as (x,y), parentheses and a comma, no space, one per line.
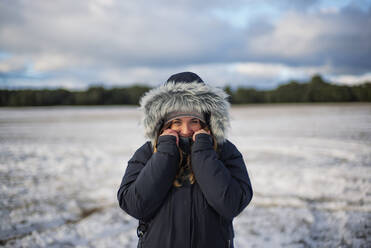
(310,166)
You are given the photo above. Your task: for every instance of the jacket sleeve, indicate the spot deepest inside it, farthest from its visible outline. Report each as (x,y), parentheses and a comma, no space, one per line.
(148,178)
(224,181)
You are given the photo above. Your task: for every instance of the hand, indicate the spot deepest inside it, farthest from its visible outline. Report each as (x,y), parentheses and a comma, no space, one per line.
(171,132)
(198,132)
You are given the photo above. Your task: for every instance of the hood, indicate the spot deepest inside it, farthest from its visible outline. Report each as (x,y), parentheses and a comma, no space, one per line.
(188,97)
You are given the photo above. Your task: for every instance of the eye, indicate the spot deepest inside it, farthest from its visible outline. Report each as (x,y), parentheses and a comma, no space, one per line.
(176,123)
(195,121)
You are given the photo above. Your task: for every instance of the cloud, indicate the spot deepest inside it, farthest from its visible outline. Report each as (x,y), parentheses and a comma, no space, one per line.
(351,79)
(341,39)
(118,43)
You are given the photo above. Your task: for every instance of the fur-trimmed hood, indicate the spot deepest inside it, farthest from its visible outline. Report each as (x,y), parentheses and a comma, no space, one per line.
(188,97)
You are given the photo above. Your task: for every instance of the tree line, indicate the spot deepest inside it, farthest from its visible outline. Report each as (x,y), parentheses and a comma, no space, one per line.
(95,95)
(316,90)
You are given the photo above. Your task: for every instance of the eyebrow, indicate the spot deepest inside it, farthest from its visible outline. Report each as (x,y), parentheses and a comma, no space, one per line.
(178,119)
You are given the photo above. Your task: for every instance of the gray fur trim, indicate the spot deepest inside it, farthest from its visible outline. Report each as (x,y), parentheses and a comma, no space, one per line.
(188,97)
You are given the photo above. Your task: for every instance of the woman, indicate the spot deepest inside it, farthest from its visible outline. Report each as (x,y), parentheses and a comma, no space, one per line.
(187,184)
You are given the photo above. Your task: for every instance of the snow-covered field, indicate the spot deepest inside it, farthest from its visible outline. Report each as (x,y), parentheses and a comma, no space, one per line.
(310,166)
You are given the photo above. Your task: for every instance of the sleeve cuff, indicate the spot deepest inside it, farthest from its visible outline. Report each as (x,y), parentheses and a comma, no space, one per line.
(167,144)
(203,142)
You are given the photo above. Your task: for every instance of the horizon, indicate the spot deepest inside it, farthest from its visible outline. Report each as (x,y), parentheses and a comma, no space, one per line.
(143,84)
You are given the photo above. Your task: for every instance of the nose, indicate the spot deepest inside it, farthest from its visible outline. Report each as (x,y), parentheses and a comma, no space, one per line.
(186,131)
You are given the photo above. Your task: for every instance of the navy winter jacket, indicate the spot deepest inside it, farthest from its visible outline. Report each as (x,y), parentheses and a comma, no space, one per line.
(196,215)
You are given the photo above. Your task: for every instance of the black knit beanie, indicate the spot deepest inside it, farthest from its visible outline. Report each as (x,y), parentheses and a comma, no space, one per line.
(185,77)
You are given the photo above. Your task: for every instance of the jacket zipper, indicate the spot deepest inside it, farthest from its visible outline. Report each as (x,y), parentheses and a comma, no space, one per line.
(229,243)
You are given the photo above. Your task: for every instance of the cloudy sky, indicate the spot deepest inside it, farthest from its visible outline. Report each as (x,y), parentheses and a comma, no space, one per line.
(254,43)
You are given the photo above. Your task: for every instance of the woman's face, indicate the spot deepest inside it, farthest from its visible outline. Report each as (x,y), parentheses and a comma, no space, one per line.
(186,126)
